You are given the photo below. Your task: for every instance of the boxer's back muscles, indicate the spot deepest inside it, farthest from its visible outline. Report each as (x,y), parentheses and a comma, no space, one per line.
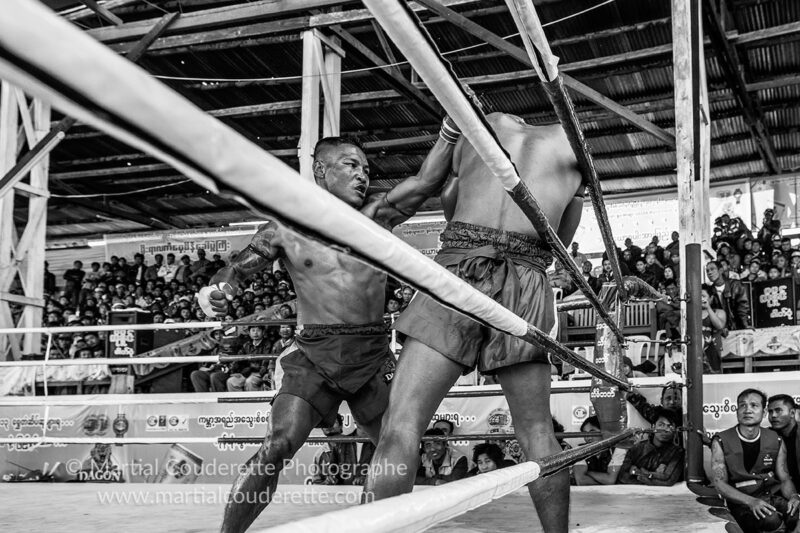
(545,163)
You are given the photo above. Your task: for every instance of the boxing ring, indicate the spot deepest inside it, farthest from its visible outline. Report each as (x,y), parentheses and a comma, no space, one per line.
(145,114)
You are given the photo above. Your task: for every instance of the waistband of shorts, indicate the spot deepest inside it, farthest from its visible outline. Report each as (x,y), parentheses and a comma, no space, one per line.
(464,235)
(317,330)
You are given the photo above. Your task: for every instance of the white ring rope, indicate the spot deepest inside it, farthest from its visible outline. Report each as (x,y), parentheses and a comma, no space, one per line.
(421,509)
(115,361)
(73,71)
(114,327)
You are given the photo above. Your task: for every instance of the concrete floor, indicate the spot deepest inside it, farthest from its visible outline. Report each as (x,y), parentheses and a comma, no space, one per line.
(198,508)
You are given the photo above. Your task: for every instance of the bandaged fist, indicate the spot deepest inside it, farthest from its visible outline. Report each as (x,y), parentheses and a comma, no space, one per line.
(214,299)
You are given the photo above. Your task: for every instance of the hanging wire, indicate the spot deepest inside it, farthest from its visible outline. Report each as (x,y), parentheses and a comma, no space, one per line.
(365,69)
(126,193)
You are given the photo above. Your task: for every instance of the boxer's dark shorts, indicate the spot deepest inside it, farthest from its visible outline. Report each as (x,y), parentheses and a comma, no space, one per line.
(507,266)
(340,362)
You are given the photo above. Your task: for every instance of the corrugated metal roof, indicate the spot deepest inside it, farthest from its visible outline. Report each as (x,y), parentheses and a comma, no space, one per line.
(627,159)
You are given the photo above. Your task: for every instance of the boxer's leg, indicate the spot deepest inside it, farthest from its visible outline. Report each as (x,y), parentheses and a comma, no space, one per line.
(422,379)
(527,389)
(291,421)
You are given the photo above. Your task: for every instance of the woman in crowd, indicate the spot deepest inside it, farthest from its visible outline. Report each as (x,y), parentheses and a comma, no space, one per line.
(487,457)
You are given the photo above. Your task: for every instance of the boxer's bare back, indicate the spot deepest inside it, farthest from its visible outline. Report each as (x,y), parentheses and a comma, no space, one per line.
(546,164)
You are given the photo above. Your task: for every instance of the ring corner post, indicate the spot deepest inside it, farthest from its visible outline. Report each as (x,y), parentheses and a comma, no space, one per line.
(694,365)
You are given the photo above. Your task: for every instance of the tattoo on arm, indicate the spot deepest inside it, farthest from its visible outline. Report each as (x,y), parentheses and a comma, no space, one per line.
(718,468)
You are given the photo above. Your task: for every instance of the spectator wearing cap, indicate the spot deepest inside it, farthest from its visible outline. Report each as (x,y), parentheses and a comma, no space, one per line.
(794,263)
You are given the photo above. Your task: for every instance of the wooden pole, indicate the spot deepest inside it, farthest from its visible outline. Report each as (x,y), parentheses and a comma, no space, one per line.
(309,113)
(687,42)
(9,122)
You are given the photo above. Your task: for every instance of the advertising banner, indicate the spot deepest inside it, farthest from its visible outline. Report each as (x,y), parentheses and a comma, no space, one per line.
(222,241)
(219,463)
(422,233)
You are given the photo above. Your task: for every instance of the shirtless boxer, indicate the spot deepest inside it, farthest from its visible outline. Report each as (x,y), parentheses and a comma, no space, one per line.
(492,246)
(343,351)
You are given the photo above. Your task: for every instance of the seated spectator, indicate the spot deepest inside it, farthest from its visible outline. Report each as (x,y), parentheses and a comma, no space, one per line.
(654,267)
(439,463)
(782,264)
(713,319)
(754,272)
(658,460)
(782,411)
(750,472)
(671,399)
(602,468)
(488,457)
(392,305)
(594,283)
(342,463)
(212,377)
(670,274)
(249,375)
(577,256)
(733,297)
(668,311)
(643,274)
(629,371)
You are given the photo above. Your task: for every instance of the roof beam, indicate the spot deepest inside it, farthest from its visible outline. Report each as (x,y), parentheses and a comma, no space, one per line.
(391,75)
(733,71)
(102,12)
(246,20)
(521,55)
(79,14)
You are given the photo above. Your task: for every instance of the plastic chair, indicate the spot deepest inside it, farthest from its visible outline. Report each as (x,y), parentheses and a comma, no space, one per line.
(638,348)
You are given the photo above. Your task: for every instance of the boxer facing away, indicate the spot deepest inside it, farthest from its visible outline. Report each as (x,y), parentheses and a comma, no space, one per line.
(491,245)
(343,350)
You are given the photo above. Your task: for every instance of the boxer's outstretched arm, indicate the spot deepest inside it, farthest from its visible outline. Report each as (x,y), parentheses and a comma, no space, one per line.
(262,251)
(402,202)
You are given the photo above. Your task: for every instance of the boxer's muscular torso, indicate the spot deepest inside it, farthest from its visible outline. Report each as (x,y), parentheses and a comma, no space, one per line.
(545,163)
(331,287)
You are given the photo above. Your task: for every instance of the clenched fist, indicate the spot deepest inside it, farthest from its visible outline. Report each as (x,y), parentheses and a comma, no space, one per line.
(214,299)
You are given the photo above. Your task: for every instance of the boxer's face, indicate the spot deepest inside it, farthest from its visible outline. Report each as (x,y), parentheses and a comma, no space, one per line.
(344,172)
